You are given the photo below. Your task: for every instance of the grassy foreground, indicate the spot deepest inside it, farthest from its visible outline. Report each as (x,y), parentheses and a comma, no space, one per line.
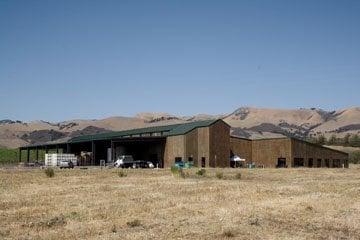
(155,204)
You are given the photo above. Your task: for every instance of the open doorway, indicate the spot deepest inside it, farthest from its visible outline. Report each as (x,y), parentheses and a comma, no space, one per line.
(327,163)
(298,162)
(318,163)
(149,149)
(310,163)
(281,163)
(203,162)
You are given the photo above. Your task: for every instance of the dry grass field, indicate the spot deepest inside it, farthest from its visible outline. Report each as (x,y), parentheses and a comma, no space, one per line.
(155,204)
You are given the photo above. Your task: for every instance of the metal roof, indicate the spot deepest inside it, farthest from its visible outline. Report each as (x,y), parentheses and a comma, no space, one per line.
(290,138)
(164,131)
(60,141)
(167,130)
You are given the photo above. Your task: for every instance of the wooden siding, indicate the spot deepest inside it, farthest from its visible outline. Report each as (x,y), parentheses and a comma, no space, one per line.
(203,145)
(219,145)
(267,152)
(211,143)
(174,147)
(192,147)
(304,150)
(241,147)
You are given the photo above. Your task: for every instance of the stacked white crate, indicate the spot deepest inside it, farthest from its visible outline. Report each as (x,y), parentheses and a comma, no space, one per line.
(54,159)
(50,159)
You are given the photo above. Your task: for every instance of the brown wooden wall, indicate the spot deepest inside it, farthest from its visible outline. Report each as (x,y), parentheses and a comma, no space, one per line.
(304,150)
(203,147)
(211,143)
(174,147)
(266,152)
(219,145)
(192,146)
(241,147)
(214,144)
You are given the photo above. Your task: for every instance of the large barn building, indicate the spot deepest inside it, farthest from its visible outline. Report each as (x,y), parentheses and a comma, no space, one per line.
(204,143)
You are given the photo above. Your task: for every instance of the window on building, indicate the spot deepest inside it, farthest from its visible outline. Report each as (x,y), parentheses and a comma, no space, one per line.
(327,163)
(190,159)
(178,159)
(298,162)
(310,162)
(281,163)
(203,162)
(318,163)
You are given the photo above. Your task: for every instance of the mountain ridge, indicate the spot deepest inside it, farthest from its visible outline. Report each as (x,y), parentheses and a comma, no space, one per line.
(249,122)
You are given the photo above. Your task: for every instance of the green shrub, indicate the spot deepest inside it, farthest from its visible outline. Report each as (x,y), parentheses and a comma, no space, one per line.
(201,172)
(114,229)
(178,171)
(134,223)
(238,175)
(49,172)
(174,170)
(181,172)
(355,157)
(121,174)
(219,175)
(54,222)
(228,233)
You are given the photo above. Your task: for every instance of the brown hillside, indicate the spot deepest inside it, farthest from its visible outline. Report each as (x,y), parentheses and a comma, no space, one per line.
(246,122)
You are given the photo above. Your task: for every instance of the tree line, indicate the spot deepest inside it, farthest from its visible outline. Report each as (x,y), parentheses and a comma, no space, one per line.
(349,140)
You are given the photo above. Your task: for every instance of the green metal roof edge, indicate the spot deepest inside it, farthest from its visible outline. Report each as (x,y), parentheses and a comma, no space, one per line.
(173,129)
(44,144)
(170,130)
(188,127)
(119,134)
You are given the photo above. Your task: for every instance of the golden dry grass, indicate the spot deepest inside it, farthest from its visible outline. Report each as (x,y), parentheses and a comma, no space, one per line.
(154,204)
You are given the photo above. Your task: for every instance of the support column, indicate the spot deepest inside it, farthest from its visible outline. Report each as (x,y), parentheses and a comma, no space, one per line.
(57,148)
(46,149)
(68,148)
(28,154)
(20,154)
(112,151)
(37,154)
(93,150)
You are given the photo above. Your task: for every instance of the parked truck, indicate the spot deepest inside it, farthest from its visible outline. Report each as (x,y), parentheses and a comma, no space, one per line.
(127,161)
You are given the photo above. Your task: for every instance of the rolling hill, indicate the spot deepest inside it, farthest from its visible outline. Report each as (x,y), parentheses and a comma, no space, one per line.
(246,122)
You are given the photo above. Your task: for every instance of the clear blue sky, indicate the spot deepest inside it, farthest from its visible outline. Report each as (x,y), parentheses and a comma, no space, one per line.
(92,59)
